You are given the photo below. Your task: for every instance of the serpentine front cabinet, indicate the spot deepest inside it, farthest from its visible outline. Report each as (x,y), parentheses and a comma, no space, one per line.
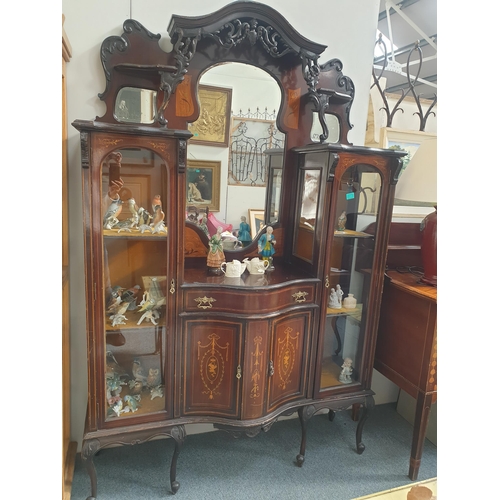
(172,342)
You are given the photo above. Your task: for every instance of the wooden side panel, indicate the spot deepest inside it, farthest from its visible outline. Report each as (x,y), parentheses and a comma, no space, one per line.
(212,355)
(289,352)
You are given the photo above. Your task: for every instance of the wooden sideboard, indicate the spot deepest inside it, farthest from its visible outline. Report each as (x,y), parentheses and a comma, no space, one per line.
(406,349)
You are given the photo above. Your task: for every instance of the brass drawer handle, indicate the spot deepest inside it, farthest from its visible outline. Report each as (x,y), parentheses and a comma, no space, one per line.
(300,296)
(204,302)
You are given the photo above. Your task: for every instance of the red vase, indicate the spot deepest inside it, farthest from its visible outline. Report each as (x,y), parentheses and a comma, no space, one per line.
(429,249)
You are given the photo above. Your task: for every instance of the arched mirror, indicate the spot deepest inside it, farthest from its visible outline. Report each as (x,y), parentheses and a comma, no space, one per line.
(230,178)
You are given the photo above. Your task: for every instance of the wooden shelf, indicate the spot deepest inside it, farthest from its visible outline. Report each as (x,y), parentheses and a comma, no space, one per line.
(113,233)
(348,233)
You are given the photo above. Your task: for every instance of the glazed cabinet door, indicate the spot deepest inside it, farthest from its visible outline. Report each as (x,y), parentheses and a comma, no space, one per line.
(350,299)
(289,353)
(133,191)
(212,367)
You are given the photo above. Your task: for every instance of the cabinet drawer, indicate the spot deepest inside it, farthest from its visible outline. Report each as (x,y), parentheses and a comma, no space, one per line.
(249,301)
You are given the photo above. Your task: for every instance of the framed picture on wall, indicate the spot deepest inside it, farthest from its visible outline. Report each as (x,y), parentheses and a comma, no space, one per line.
(212,126)
(203,184)
(257,222)
(409,141)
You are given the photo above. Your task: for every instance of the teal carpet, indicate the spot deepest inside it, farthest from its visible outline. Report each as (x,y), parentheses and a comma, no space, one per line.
(214,465)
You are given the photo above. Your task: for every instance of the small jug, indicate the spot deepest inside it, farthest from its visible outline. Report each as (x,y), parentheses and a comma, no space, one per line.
(256,266)
(233,269)
(350,301)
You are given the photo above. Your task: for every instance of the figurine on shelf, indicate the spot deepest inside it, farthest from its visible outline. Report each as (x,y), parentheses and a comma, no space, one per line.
(345,374)
(203,225)
(156,392)
(119,317)
(215,252)
(158,222)
(130,297)
(266,246)
(244,232)
(135,387)
(334,303)
(144,219)
(156,202)
(339,293)
(110,218)
(154,378)
(131,402)
(138,371)
(341,222)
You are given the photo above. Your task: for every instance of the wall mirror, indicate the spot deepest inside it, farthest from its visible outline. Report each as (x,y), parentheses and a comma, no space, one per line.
(253,133)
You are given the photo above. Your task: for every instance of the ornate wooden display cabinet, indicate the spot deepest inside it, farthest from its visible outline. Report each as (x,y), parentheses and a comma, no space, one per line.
(170,344)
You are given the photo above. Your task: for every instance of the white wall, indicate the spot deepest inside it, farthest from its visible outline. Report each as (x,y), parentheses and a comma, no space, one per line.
(347,27)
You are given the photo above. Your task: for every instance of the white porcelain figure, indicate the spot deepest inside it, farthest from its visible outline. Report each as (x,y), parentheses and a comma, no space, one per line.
(334,303)
(345,374)
(339,293)
(256,266)
(350,301)
(233,269)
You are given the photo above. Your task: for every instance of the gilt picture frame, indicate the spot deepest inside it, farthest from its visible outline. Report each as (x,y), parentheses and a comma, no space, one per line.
(212,126)
(203,184)
(256,221)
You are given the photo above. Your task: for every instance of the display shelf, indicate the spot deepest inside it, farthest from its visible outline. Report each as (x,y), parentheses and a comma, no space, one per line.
(348,233)
(132,318)
(355,313)
(113,233)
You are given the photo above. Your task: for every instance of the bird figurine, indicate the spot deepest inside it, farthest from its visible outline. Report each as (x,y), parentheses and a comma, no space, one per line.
(158,223)
(117,408)
(131,402)
(112,366)
(135,387)
(118,318)
(133,207)
(110,218)
(114,297)
(156,392)
(130,297)
(138,371)
(342,221)
(154,377)
(156,202)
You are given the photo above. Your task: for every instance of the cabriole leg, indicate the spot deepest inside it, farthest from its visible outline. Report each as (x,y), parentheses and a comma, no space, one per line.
(89,449)
(367,406)
(178,433)
(305,413)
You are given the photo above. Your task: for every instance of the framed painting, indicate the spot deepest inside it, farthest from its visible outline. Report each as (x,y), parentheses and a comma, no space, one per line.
(212,126)
(409,141)
(257,222)
(203,184)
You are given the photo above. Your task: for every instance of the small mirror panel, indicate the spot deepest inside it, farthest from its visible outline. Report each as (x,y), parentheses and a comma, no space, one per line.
(332,123)
(135,105)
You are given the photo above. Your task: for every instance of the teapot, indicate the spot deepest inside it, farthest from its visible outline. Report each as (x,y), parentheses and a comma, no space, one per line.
(233,269)
(256,266)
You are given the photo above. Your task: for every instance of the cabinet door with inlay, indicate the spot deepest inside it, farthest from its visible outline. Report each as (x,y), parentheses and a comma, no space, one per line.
(288,358)
(212,367)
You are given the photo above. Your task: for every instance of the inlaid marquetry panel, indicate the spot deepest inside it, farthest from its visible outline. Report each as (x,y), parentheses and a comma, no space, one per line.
(289,349)
(212,367)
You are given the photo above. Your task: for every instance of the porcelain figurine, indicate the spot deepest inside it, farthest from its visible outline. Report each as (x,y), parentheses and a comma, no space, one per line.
(130,297)
(138,371)
(144,217)
(158,223)
(132,403)
(266,246)
(112,366)
(119,317)
(156,392)
(114,299)
(135,387)
(341,221)
(149,315)
(110,218)
(156,202)
(154,377)
(117,408)
(333,302)
(345,374)
(339,293)
(215,255)
(244,232)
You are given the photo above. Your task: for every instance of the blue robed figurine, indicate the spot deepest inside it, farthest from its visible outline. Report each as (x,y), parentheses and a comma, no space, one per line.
(244,232)
(266,245)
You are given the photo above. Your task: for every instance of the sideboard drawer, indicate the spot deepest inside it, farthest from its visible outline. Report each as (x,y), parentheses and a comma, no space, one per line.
(247,301)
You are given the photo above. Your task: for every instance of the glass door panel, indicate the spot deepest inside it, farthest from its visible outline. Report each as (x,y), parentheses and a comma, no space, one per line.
(349,272)
(135,257)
